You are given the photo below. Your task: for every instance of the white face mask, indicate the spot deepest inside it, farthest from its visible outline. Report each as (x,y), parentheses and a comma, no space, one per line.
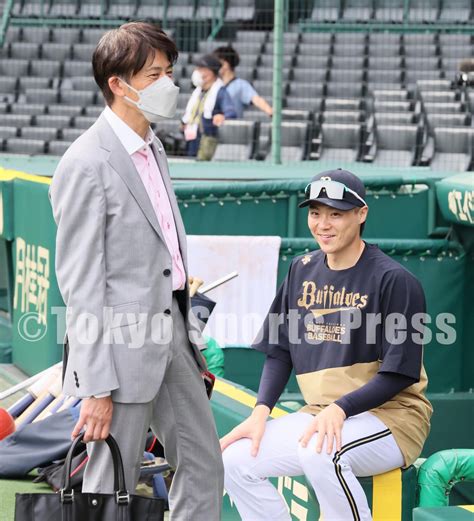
(158,100)
(196,78)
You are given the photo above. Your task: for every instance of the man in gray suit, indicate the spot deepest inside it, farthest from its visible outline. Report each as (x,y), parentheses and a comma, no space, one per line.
(134,346)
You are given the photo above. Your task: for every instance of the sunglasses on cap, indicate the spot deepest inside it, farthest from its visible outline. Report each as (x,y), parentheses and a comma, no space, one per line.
(334,190)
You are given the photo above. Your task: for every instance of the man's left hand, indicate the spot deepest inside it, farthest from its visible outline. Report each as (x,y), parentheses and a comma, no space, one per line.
(218,119)
(328,424)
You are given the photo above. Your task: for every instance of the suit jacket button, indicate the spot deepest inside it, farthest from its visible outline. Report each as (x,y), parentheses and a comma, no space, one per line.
(167,311)
(166,272)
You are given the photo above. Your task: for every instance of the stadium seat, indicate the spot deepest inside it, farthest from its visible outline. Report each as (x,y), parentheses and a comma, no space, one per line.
(180,10)
(18,68)
(319,50)
(340,142)
(65,110)
(56,51)
(358,11)
(8,85)
(433,85)
(311,62)
(124,9)
(444,108)
(83,51)
(206,47)
(57,148)
(16,145)
(265,88)
(52,121)
(440,96)
(334,116)
(345,90)
(452,149)
(94,110)
(456,11)
(35,8)
(236,141)
(31,83)
(78,97)
(395,118)
(344,63)
(288,47)
(91,9)
(448,120)
(45,68)
(319,75)
(67,35)
(39,133)
(44,96)
(240,10)
(148,9)
(71,134)
(30,109)
(262,73)
(326,10)
(341,104)
(84,122)
(306,90)
(396,145)
(295,137)
(423,11)
(35,34)
(390,11)
(77,68)
(266,60)
(391,95)
(250,36)
(24,50)
(82,83)
(317,38)
(8,132)
(64,9)
(348,49)
(207,10)
(310,104)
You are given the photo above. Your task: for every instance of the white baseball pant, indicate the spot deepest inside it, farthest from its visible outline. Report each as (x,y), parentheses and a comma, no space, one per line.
(368,448)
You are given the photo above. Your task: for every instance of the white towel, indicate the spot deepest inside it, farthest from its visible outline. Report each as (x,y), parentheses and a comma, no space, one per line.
(243,302)
(209,104)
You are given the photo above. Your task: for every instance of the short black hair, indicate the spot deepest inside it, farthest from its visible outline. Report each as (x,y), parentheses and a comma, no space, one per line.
(229,55)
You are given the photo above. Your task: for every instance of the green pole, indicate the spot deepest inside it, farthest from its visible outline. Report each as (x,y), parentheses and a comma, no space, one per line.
(406,8)
(277,80)
(5,19)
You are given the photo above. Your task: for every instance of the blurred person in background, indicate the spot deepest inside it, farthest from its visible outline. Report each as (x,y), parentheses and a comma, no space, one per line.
(241,91)
(207,109)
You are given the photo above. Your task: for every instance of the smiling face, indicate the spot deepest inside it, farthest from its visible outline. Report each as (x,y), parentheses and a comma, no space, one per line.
(337,232)
(157,66)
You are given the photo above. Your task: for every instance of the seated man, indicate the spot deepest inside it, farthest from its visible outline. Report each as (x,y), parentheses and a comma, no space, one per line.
(337,321)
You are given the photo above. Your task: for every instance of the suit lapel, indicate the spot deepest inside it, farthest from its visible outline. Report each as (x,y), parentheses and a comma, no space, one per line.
(122,163)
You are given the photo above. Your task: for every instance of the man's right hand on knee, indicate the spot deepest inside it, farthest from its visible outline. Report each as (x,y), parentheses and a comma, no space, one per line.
(95,417)
(253,428)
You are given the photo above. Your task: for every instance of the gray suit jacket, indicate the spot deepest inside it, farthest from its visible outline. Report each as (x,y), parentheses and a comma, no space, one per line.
(112,263)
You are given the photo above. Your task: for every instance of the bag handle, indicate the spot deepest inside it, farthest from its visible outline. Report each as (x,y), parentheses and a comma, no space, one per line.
(121,493)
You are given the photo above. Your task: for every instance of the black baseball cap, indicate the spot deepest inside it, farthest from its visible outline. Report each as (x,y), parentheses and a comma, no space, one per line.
(349,200)
(209,61)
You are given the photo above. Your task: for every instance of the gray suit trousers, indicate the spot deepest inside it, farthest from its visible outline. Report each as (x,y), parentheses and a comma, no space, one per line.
(181,418)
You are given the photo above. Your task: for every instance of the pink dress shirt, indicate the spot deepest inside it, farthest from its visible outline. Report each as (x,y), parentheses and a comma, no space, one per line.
(145,162)
(147,167)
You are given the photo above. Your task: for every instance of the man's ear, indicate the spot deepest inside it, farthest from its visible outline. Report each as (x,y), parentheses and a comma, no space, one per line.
(363,214)
(117,87)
